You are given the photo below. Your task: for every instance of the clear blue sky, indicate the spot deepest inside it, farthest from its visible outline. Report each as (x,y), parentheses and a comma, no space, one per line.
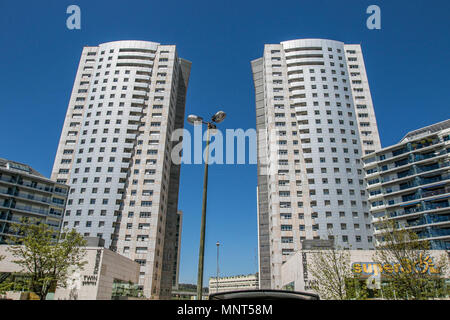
(407,63)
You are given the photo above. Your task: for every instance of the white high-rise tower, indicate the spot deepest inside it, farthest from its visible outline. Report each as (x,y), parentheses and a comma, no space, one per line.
(315,119)
(114,153)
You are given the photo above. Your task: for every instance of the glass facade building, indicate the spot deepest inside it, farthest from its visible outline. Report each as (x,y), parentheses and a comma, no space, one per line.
(24,192)
(410,183)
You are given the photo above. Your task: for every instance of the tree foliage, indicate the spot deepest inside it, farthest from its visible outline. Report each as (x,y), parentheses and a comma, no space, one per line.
(417,276)
(4,285)
(46,256)
(331,271)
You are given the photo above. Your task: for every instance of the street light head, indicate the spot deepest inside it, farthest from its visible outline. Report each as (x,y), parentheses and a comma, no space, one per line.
(218,243)
(194,120)
(218,117)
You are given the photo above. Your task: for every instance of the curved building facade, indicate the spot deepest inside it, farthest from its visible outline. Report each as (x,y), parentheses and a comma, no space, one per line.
(315,120)
(114,152)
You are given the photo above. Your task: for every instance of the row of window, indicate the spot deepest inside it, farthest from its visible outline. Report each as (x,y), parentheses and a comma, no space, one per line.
(327,203)
(329,226)
(322,149)
(100,159)
(312,192)
(343,237)
(328,214)
(321,159)
(91,201)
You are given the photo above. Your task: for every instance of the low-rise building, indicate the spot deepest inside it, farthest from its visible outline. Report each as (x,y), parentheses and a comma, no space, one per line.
(187,291)
(233,283)
(106,275)
(409,183)
(297,276)
(24,192)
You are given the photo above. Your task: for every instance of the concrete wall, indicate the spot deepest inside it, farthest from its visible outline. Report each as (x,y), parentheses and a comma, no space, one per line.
(95,281)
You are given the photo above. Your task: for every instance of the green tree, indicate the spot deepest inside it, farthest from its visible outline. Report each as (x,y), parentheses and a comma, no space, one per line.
(412,272)
(333,278)
(46,256)
(4,285)
(356,289)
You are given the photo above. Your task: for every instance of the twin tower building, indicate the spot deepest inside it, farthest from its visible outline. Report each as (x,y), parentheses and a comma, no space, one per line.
(315,113)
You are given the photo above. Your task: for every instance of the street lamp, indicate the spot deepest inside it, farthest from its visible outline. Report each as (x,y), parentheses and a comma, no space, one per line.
(217,278)
(196,120)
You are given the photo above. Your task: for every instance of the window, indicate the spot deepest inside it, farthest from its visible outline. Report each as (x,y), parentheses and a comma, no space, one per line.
(144,214)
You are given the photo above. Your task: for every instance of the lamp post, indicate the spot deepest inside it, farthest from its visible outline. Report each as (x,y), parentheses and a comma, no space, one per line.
(217,278)
(195,120)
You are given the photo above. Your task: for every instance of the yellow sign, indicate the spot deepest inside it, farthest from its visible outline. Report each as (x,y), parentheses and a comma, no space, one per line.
(423,265)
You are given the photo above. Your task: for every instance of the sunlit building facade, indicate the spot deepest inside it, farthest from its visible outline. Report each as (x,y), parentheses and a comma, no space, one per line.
(115,153)
(315,119)
(409,183)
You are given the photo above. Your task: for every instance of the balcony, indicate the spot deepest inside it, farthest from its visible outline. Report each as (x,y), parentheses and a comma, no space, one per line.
(429,206)
(404,174)
(137,109)
(132,127)
(422,181)
(135,118)
(437,219)
(419,194)
(35,186)
(401,163)
(416,223)
(125,165)
(400,151)
(28,196)
(27,184)
(408,185)
(420,157)
(120,185)
(128,144)
(427,143)
(419,180)
(435,192)
(438,205)
(412,157)
(432,219)
(413,210)
(25,196)
(420,169)
(29,209)
(54,212)
(410,197)
(138,101)
(433,233)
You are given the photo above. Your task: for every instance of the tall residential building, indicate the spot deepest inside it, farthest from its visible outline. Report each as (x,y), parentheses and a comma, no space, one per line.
(409,183)
(315,119)
(114,152)
(25,193)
